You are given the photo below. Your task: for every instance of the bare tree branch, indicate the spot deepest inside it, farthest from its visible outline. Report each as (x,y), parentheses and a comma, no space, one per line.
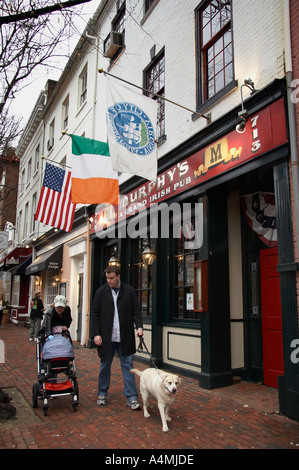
(35,13)
(28,44)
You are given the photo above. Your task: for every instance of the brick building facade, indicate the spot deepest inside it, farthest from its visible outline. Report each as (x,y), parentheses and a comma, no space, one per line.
(9,173)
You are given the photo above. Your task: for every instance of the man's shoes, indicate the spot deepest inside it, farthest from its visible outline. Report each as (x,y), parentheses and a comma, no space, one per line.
(101,400)
(134,405)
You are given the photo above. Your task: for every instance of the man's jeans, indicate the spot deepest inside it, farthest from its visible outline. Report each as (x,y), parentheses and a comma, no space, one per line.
(126,365)
(35,324)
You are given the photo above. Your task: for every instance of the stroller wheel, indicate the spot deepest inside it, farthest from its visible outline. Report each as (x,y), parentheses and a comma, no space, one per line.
(34,395)
(75,395)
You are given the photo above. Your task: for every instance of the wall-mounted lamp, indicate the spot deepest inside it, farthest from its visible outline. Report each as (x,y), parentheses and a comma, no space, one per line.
(114,261)
(148,255)
(241,126)
(243,113)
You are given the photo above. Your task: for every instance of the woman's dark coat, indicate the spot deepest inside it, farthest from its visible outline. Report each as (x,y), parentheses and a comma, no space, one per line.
(103,313)
(53,319)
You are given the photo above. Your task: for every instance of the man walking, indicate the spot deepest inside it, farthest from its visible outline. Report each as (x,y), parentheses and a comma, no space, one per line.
(115,312)
(36,315)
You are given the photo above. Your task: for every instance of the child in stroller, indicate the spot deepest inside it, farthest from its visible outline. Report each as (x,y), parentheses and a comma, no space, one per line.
(55,357)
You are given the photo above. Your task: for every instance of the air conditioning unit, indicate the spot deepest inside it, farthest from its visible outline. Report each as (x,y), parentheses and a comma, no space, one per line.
(50,143)
(113,43)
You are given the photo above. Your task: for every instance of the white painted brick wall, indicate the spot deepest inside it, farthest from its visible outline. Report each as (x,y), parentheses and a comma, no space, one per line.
(258,53)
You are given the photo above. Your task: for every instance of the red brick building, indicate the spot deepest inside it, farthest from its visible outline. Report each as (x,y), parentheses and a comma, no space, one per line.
(9,174)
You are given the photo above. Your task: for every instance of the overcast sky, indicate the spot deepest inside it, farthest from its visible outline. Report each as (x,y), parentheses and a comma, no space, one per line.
(25,100)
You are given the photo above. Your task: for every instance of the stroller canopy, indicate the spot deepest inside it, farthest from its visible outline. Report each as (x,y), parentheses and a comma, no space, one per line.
(59,346)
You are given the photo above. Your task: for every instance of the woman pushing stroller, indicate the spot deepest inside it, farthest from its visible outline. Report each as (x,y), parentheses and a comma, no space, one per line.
(55,356)
(57,319)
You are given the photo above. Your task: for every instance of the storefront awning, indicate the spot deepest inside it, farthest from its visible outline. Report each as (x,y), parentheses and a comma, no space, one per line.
(14,258)
(50,260)
(22,266)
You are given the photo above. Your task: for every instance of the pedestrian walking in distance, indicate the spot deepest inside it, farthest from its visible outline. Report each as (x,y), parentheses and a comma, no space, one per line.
(36,315)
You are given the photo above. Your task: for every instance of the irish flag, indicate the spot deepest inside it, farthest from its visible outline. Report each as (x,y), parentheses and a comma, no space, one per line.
(93,179)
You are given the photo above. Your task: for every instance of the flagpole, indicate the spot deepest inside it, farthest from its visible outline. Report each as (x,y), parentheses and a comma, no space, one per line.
(208,118)
(53,161)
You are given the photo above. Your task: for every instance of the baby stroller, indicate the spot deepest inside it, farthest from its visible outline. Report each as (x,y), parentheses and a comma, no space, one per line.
(56,371)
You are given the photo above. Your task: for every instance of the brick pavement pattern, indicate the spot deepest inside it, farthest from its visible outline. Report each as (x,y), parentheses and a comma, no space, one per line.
(243,416)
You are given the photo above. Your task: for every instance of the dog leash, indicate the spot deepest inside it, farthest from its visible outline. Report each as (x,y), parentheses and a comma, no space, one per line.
(140,348)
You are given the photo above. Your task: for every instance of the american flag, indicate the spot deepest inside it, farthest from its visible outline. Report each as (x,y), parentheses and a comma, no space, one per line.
(55,207)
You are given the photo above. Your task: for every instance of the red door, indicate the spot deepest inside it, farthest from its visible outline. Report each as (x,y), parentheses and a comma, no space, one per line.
(271,317)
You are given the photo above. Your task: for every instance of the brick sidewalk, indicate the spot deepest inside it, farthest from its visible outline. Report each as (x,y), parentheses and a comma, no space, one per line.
(243,416)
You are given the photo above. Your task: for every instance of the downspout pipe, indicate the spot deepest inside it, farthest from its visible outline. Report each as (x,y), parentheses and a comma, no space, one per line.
(290,82)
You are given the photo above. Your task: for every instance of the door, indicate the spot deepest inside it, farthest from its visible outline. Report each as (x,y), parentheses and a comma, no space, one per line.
(79,306)
(271,317)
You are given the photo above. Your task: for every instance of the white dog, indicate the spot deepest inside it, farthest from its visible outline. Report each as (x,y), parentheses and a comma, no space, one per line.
(161,385)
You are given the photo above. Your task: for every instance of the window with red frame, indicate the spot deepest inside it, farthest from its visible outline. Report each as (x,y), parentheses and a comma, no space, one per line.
(216,47)
(155,83)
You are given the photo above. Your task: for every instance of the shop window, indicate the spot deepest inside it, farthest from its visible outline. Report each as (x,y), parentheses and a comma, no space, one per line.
(155,83)
(15,294)
(52,285)
(189,268)
(183,281)
(200,278)
(142,278)
(215,66)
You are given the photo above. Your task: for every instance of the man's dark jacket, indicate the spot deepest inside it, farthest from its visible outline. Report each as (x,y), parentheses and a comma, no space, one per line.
(103,313)
(36,308)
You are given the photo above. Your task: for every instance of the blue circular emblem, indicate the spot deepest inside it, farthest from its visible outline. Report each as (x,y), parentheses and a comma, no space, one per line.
(132,128)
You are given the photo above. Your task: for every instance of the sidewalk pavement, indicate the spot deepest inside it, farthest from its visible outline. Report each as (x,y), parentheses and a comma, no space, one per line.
(242,416)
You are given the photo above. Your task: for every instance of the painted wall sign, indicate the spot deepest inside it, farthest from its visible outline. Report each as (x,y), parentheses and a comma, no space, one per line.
(264,131)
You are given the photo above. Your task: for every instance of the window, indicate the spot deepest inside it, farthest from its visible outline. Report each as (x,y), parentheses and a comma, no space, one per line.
(83,86)
(52,285)
(23,180)
(143,279)
(148,7)
(50,142)
(148,4)
(188,268)
(36,158)
(214,49)
(65,113)
(183,280)
(34,206)
(118,24)
(155,83)
(29,171)
(115,41)
(25,232)
(20,227)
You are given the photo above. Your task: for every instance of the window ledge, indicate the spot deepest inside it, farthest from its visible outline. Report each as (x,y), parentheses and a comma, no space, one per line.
(207,104)
(162,139)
